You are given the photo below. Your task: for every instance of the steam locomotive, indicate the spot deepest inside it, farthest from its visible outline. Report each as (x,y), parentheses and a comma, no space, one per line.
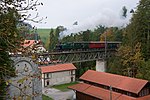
(89,45)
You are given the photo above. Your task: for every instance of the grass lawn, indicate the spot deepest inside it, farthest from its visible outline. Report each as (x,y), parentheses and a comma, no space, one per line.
(44,97)
(63,87)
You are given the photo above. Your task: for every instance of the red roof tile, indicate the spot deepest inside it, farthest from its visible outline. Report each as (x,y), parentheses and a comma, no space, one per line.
(121,82)
(80,87)
(28,43)
(99,92)
(58,67)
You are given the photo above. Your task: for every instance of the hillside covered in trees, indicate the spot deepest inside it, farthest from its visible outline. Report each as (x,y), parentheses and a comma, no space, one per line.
(133,56)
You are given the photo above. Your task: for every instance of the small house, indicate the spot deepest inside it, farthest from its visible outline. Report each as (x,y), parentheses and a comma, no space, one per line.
(57,74)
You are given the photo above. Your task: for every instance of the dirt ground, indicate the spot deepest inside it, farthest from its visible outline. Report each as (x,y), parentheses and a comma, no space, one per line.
(59,95)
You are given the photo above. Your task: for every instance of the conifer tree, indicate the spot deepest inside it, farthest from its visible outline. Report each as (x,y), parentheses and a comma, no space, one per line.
(134,55)
(139,28)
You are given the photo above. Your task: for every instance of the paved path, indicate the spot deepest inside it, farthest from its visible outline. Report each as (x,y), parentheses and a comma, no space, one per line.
(57,94)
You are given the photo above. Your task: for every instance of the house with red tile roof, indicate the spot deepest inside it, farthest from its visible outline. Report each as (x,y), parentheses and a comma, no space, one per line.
(28,43)
(90,92)
(126,87)
(33,46)
(57,74)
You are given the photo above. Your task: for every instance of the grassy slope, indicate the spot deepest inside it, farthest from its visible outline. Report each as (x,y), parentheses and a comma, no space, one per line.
(44,34)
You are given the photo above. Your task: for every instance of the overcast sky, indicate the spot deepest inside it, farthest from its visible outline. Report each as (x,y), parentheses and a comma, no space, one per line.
(88,13)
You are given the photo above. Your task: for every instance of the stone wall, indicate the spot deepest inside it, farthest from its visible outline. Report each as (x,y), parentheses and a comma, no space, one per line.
(27,85)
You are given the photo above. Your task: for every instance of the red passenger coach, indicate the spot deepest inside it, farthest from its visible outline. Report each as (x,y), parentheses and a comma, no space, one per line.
(96,45)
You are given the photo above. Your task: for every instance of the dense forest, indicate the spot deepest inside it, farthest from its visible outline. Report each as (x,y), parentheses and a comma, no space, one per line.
(133,56)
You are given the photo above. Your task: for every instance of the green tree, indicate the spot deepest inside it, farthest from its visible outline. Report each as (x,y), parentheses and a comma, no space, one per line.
(98,31)
(86,35)
(143,70)
(57,31)
(10,16)
(124,11)
(127,61)
(139,28)
(55,37)
(9,39)
(118,34)
(51,40)
(108,34)
(134,54)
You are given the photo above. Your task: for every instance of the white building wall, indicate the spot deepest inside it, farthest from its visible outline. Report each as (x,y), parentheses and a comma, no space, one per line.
(42,82)
(57,78)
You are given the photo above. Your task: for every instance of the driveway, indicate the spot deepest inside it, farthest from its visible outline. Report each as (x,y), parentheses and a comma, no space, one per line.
(58,95)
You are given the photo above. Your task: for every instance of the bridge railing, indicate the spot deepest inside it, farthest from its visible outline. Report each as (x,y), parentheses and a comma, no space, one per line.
(45,59)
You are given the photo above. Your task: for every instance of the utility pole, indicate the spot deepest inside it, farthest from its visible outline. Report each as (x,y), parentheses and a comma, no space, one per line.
(105,45)
(105,59)
(148,38)
(110,92)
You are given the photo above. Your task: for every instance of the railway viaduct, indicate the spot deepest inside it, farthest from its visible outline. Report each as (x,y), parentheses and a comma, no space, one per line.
(75,56)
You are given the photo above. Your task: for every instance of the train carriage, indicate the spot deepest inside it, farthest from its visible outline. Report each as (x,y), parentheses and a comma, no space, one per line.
(113,44)
(77,46)
(88,45)
(96,45)
(81,45)
(67,46)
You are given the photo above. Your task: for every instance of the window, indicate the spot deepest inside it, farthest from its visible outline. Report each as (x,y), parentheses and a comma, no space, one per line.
(144,92)
(128,93)
(105,87)
(72,72)
(47,75)
(116,90)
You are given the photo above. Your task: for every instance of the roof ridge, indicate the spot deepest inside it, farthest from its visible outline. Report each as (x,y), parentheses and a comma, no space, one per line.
(57,68)
(116,81)
(87,87)
(117,75)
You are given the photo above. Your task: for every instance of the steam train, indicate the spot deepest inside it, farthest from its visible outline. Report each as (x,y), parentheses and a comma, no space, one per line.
(90,45)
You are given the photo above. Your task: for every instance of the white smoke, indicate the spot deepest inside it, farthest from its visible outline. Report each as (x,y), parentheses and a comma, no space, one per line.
(106,17)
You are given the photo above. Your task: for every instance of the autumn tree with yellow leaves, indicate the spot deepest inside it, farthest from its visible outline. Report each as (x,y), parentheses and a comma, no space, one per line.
(107,34)
(112,34)
(130,59)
